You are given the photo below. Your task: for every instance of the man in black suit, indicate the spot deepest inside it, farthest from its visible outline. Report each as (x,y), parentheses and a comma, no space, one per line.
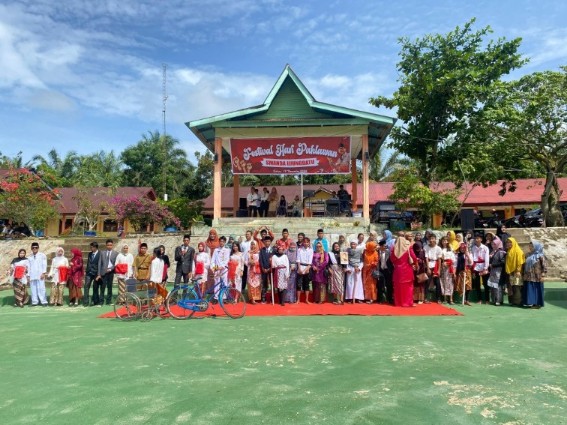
(91,273)
(105,276)
(184,255)
(265,260)
(385,271)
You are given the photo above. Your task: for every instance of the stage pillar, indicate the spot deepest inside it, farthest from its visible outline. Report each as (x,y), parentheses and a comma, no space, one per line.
(217,179)
(354,185)
(235,192)
(365,184)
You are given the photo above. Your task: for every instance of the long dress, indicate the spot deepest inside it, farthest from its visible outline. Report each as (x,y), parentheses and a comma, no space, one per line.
(235,270)
(319,279)
(403,278)
(291,295)
(76,280)
(497,262)
(532,292)
(19,270)
(336,277)
(254,276)
(353,288)
(202,261)
(370,262)
(419,287)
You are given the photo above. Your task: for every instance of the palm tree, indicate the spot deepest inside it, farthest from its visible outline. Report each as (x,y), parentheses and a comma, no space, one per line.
(385,163)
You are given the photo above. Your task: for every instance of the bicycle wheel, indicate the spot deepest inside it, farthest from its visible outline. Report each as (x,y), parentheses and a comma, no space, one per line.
(232,302)
(127,307)
(180,303)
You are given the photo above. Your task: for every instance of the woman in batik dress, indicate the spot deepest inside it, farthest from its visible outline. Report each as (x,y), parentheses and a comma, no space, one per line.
(252,260)
(336,274)
(19,268)
(58,275)
(75,280)
(319,277)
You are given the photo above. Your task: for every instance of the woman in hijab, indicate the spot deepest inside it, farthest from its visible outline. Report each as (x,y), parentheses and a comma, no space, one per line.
(19,269)
(534,272)
(212,241)
(123,267)
(453,243)
(280,271)
(319,277)
(353,271)
(389,238)
(202,263)
(497,262)
(166,264)
(273,202)
(515,260)
(419,287)
(76,278)
(291,253)
(369,264)
(252,261)
(404,261)
(336,274)
(502,233)
(58,274)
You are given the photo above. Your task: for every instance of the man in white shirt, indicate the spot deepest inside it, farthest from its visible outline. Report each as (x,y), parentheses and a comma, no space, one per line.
(251,199)
(219,263)
(433,254)
(245,247)
(37,273)
(481,261)
(304,261)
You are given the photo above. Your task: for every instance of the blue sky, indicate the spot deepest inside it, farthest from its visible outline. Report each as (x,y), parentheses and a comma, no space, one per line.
(87,75)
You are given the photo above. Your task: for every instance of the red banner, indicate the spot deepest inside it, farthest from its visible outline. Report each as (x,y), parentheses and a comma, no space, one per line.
(291,155)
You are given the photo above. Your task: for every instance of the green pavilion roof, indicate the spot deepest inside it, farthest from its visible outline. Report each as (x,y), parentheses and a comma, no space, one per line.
(290,104)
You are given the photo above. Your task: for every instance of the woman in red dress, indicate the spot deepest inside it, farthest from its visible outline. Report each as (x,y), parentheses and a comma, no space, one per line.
(404,261)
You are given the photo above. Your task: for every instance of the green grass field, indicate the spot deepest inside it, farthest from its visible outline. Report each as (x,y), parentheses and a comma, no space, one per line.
(494,365)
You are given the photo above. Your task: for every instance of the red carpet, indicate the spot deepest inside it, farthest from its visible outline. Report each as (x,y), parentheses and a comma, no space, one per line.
(330,309)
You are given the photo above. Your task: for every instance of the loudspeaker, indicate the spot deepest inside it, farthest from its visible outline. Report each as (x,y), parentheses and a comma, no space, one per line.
(242,204)
(242,213)
(467,218)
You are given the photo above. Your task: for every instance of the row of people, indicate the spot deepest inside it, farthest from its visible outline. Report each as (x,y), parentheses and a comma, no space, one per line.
(400,271)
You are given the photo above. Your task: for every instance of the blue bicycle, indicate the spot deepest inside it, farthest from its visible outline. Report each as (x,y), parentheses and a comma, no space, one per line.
(182,302)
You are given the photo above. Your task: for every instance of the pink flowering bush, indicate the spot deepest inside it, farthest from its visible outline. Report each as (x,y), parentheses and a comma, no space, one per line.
(142,211)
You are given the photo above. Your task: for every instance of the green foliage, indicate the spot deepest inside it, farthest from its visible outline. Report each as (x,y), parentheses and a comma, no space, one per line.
(531,115)
(25,198)
(410,193)
(384,164)
(445,80)
(156,159)
(185,210)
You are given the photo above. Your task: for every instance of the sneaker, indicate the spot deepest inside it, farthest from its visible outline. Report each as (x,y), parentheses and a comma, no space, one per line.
(496,303)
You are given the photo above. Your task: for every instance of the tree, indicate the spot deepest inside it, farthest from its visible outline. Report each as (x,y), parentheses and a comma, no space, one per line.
(530,119)
(382,170)
(89,207)
(140,212)
(410,193)
(187,211)
(25,198)
(56,170)
(445,80)
(100,169)
(155,158)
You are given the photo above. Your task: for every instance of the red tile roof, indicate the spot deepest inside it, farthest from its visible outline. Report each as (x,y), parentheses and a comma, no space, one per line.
(527,192)
(68,205)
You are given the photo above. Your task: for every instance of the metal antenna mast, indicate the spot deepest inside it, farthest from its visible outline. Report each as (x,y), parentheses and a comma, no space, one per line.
(164,143)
